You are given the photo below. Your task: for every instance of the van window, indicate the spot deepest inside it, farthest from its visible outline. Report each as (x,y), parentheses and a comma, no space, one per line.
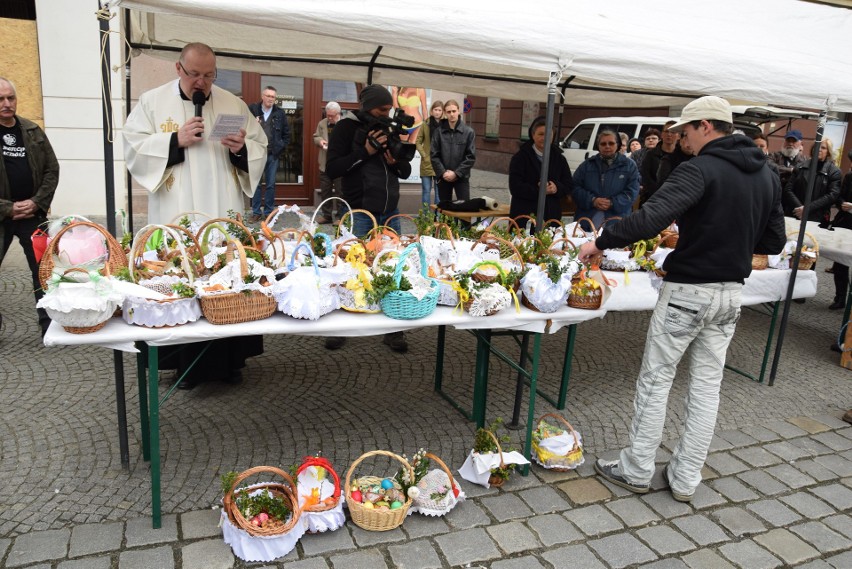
(645,128)
(579,137)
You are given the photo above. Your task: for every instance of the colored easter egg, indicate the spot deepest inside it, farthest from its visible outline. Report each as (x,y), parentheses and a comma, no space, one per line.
(368,505)
(356,495)
(396,505)
(387,484)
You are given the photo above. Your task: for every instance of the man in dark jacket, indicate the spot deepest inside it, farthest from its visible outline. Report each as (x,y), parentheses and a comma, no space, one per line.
(790,156)
(358,152)
(274,123)
(453,154)
(728,206)
(29,174)
(649,170)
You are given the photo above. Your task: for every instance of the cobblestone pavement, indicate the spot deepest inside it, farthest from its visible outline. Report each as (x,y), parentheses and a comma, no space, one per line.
(777,489)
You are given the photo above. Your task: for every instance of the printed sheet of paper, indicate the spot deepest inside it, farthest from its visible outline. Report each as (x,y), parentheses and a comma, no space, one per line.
(225,125)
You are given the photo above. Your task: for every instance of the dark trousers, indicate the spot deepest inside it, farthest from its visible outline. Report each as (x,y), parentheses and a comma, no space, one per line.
(329,188)
(461,186)
(23,229)
(841,281)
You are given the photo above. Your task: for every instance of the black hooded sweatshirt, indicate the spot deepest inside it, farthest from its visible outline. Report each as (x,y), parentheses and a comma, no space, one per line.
(727,203)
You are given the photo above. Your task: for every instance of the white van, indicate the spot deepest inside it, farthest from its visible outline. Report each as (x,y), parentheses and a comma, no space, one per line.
(581,141)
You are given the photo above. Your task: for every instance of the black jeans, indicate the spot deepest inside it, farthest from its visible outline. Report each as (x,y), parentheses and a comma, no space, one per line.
(445,189)
(23,229)
(841,281)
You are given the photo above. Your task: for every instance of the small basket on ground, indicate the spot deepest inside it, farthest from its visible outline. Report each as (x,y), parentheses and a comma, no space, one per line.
(495,479)
(557,447)
(438,490)
(318,486)
(274,538)
(374,518)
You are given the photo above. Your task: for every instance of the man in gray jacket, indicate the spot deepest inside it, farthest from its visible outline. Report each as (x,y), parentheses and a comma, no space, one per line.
(29,174)
(453,154)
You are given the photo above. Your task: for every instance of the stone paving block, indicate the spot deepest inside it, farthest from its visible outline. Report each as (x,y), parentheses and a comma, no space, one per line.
(466,515)
(618,491)
(156,558)
(774,512)
(816,564)
(39,546)
(554,529)
(839,496)
(841,561)
(790,476)
(760,433)
(705,497)
(738,521)
(836,464)
(706,559)
(4,545)
(572,557)
(593,520)
(665,505)
(832,420)
(519,482)
(552,477)
(733,489)
(365,538)
(787,546)
(815,470)
(821,536)
(200,523)
(725,463)
(313,563)
(708,473)
(756,456)
(588,467)
(748,555)
(472,490)
(700,529)
(207,554)
(367,559)
(834,441)
(811,446)
(585,491)
(633,512)
(785,429)
(89,563)
(89,539)
(467,546)
(526,562)
(718,444)
(326,542)
(738,438)
(787,451)
(138,531)
(544,500)
(840,523)
(847,432)
(807,505)
(418,554)
(424,526)
(763,483)
(621,550)
(810,425)
(513,537)
(664,540)
(506,507)
(670,563)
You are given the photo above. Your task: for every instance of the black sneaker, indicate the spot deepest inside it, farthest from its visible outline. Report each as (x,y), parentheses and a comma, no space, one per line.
(609,470)
(837,305)
(396,341)
(334,342)
(685,498)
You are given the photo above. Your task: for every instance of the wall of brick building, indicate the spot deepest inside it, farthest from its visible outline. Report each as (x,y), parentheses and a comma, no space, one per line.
(19,62)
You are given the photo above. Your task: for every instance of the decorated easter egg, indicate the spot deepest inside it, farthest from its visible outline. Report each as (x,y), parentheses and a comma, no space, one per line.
(414,492)
(396,505)
(382,504)
(368,505)
(356,495)
(387,484)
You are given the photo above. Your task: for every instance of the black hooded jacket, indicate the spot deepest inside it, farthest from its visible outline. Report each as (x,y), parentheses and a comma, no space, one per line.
(524,178)
(727,203)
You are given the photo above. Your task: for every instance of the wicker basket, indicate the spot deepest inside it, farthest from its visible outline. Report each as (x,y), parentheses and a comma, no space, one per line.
(286,491)
(759,262)
(116,259)
(501,280)
(233,307)
(552,461)
(191,264)
(671,240)
(424,503)
(326,464)
(376,519)
(495,480)
(591,301)
(806,263)
(401,304)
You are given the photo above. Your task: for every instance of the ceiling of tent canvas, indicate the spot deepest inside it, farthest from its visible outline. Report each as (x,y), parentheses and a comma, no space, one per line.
(620,53)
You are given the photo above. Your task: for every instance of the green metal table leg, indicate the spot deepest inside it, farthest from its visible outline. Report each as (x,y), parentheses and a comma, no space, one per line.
(768,350)
(480,384)
(566,366)
(154,401)
(531,410)
(143,404)
(439,358)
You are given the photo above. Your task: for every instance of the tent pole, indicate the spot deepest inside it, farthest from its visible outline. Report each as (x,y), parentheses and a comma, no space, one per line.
(127,112)
(794,264)
(106,107)
(545,159)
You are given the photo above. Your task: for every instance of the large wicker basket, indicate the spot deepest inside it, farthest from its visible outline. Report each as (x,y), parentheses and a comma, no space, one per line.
(116,259)
(233,307)
(287,491)
(376,519)
(591,301)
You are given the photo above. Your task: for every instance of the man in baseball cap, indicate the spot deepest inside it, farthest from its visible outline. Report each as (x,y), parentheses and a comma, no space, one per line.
(790,156)
(727,205)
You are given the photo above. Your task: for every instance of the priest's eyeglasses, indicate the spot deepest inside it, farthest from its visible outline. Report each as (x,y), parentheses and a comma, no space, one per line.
(196,76)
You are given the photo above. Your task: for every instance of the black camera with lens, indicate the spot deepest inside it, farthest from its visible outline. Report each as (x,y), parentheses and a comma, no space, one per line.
(392,127)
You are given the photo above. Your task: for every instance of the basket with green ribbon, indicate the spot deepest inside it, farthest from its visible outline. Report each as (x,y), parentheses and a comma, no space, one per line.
(414,298)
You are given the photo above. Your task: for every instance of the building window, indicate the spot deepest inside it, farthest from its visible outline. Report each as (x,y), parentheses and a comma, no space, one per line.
(340,91)
(18,9)
(492,118)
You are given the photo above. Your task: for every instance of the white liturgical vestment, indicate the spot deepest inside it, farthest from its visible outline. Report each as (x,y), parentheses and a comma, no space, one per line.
(205,181)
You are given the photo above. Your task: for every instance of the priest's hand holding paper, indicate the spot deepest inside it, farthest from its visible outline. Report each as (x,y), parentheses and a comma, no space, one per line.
(235,141)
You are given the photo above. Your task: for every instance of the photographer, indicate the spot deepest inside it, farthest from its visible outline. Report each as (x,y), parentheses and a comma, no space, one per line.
(358,151)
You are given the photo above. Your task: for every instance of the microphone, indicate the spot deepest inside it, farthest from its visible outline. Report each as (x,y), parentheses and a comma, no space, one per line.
(198,99)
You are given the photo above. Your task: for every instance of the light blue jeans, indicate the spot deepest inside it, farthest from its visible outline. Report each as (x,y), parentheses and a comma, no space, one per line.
(361,224)
(698,319)
(266,197)
(426,183)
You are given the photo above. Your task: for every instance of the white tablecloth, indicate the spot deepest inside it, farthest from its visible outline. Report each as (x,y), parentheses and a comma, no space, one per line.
(835,245)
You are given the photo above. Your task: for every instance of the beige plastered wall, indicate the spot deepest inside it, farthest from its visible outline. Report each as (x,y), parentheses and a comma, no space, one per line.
(19,63)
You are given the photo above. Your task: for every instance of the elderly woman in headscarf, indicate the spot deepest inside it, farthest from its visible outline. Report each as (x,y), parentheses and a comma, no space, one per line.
(525,176)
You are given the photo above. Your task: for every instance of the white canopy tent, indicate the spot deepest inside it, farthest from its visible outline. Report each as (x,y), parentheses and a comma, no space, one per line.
(736,49)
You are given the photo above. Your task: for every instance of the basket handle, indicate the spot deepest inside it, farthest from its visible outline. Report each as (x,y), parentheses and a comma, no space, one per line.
(810,236)
(226,220)
(322,463)
(228,498)
(229,256)
(339,249)
(302,245)
(327,238)
(557,222)
(662,240)
(325,201)
(497,220)
(112,247)
(443,226)
(360,459)
(499,448)
(141,240)
(381,255)
(529,218)
(446,470)
(567,424)
(563,240)
(488,235)
(397,271)
(577,226)
(351,214)
(494,264)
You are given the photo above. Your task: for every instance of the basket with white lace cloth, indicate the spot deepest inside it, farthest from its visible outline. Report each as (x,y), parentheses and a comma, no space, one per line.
(320,498)
(308,292)
(82,304)
(543,293)
(557,447)
(438,492)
